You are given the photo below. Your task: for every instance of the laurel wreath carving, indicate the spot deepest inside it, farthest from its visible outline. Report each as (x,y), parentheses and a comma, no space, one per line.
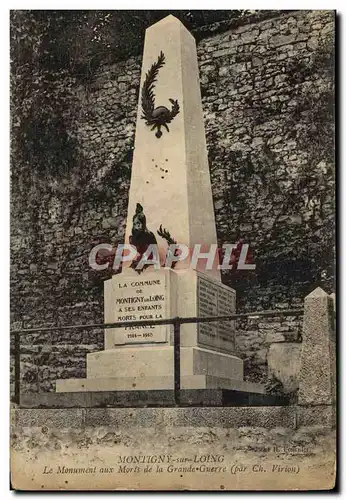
(166,235)
(156,117)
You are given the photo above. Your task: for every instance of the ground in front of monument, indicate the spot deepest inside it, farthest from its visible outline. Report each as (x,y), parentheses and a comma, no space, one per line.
(168,401)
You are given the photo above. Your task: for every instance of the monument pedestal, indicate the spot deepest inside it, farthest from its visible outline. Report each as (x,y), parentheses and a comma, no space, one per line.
(143,358)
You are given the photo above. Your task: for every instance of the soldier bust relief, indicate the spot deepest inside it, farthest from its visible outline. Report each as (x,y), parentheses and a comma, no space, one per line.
(140,236)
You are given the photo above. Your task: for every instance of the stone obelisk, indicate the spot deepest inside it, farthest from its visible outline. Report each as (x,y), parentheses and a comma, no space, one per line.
(170,199)
(170,174)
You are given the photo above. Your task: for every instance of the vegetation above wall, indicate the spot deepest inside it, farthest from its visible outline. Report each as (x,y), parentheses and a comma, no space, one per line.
(79,41)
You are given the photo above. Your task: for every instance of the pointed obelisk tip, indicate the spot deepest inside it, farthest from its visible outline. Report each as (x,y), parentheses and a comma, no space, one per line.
(166,21)
(318,292)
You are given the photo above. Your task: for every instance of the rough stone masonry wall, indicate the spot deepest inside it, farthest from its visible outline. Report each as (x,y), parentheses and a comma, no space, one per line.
(267,96)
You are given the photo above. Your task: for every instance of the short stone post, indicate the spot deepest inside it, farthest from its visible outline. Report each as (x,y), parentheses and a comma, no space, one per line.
(332,295)
(318,370)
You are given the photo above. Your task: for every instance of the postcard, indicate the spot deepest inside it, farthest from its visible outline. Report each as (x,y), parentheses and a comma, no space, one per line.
(173,299)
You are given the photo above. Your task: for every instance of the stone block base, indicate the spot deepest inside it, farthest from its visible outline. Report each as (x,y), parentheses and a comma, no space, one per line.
(151,368)
(158,362)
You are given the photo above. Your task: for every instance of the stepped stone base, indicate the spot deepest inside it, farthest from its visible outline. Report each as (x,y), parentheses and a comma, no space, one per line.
(155,383)
(157,361)
(151,368)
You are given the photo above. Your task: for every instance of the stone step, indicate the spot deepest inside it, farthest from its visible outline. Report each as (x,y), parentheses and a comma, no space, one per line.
(155,383)
(159,398)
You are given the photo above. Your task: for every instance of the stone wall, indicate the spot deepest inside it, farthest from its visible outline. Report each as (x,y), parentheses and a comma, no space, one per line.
(270,348)
(267,94)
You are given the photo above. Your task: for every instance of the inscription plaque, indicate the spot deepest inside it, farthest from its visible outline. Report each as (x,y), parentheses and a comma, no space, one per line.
(140,300)
(215,300)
